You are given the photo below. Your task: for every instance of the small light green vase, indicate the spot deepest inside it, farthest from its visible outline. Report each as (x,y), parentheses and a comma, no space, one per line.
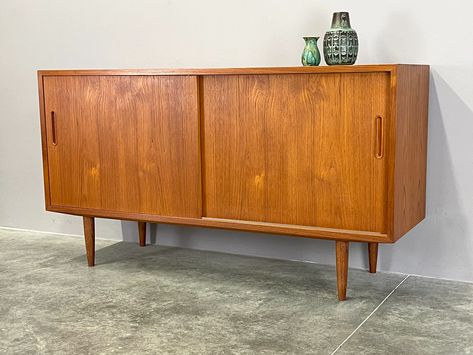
(311,54)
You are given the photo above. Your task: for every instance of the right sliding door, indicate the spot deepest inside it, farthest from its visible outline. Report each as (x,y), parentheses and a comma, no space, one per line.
(303,149)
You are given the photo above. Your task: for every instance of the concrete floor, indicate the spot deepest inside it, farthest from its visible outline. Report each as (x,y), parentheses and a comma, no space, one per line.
(161,300)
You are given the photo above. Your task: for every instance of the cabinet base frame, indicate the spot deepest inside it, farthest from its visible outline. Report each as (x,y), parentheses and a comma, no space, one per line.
(250,226)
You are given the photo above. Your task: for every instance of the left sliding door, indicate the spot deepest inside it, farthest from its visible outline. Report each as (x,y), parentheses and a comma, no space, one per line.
(123,143)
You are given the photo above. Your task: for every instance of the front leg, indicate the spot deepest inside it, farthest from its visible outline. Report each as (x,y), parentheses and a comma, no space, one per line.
(89,236)
(342,268)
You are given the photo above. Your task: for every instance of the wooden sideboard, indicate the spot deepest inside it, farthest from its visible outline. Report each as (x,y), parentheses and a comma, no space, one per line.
(320,152)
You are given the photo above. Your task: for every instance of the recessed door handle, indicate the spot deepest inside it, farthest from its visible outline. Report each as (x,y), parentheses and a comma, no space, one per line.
(379,150)
(53,127)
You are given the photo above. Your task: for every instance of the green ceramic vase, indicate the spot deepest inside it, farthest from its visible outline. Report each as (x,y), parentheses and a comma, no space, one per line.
(311,53)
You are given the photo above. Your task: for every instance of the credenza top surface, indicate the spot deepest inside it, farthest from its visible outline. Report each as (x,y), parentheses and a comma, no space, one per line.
(233,71)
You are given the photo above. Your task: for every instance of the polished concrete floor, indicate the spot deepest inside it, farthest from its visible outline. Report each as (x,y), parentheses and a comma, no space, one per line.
(161,300)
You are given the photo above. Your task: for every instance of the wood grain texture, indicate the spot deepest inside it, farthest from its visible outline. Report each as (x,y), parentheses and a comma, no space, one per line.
(341,251)
(373,256)
(142,233)
(124,143)
(229,71)
(295,149)
(89,236)
(410,155)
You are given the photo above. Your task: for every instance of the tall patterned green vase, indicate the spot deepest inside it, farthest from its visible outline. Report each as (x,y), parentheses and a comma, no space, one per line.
(341,41)
(311,53)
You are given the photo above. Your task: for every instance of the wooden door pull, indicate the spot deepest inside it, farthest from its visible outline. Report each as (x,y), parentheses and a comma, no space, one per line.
(53,126)
(379,138)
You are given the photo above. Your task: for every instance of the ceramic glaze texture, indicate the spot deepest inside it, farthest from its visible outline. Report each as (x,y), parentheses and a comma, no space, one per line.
(341,41)
(311,53)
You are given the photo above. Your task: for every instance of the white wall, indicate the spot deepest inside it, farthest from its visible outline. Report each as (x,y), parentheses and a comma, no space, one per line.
(50,34)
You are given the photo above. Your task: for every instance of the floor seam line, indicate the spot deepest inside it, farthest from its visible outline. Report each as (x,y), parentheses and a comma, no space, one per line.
(369,315)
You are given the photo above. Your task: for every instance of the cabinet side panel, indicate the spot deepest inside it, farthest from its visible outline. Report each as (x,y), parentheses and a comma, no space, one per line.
(44,143)
(411,147)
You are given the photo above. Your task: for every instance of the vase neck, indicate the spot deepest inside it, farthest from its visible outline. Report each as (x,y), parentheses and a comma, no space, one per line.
(311,40)
(341,20)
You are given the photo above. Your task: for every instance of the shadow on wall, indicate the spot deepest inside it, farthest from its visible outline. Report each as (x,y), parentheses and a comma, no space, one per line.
(440,246)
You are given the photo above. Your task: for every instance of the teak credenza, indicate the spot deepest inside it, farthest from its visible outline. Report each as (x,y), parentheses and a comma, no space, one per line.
(320,152)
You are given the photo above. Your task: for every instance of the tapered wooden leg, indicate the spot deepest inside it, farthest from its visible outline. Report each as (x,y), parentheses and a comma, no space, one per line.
(373,256)
(89,236)
(342,269)
(142,233)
